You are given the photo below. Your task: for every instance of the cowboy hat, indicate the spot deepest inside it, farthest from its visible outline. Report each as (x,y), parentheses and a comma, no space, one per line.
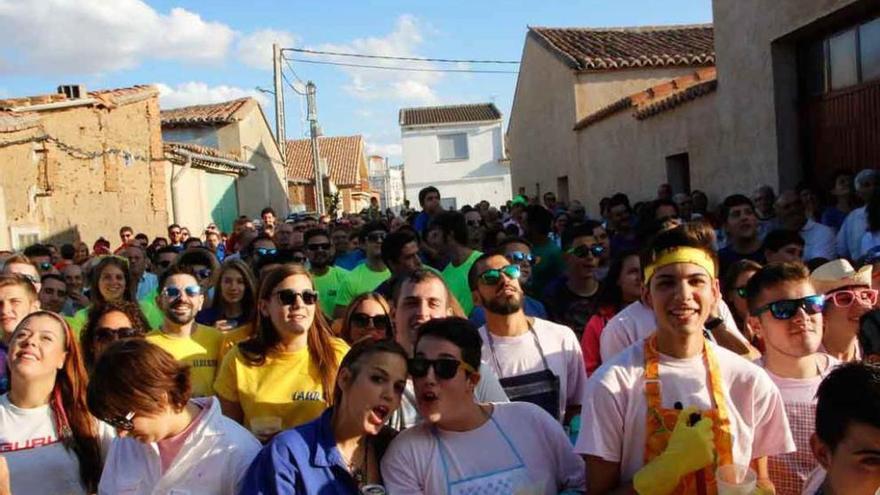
(837,274)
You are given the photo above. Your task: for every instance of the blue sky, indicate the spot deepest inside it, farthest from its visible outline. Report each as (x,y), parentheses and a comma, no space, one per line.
(208,51)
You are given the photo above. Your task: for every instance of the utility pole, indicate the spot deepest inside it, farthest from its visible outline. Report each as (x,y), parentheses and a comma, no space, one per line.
(280,136)
(316,159)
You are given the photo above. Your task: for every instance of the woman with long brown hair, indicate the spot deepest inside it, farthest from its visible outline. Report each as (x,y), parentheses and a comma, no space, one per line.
(109,322)
(50,441)
(168,441)
(368,316)
(284,375)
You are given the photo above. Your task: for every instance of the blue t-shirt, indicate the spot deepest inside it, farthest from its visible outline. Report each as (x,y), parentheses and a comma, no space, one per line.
(351,259)
(4,375)
(532,307)
(421,223)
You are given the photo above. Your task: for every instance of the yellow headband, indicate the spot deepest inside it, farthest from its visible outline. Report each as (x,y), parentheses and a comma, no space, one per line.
(681,255)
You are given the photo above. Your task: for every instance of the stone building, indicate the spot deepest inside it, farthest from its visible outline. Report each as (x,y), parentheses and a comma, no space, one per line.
(772,93)
(237,129)
(78,165)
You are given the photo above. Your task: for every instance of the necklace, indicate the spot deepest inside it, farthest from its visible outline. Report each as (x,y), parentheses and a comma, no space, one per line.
(360,473)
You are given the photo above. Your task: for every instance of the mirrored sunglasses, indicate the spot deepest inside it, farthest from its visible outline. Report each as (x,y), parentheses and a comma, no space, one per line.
(584,250)
(520,257)
(493,275)
(266,251)
(787,308)
(173,292)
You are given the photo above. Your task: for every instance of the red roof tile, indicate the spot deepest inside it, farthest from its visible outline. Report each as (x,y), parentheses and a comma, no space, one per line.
(215,113)
(658,98)
(343,154)
(621,48)
(105,97)
(171,154)
(450,114)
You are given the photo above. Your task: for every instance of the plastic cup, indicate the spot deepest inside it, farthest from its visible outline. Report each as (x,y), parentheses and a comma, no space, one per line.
(735,479)
(265,426)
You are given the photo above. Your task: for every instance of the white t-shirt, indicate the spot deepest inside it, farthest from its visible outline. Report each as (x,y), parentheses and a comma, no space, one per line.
(37,460)
(637,321)
(413,465)
(613,418)
(789,472)
(519,356)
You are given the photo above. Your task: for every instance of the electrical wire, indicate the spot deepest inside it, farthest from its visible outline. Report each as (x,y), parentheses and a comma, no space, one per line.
(388,57)
(405,69)
(295,75)
(292,86)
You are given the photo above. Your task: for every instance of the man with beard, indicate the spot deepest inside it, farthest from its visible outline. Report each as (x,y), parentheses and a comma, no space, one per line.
(786,312)
(570,298)
(419,297)
(328,278)
(525,352)
(180,298)
(741,229)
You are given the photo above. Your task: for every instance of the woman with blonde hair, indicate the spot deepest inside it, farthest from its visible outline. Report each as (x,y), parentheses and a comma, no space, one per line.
(368,316)
(284,375)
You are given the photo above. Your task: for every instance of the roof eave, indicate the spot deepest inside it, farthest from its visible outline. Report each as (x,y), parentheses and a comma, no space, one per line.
(450,124)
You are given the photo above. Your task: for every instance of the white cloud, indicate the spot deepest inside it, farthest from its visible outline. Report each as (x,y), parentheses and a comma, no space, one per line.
(378,84)
(255,49)
(386,150)
(199,93)
(96,36)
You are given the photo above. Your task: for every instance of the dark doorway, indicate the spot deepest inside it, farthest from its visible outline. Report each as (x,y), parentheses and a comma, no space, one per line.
(678,173)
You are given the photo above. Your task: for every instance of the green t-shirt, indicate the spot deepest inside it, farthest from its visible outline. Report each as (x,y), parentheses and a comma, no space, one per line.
(359,281)
(456,277)
(329,285)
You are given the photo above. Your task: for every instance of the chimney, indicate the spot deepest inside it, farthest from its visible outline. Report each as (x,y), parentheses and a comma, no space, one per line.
(72,91)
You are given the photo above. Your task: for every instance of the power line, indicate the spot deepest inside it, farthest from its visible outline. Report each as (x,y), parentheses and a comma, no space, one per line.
(406,69)
(295,75)
(292,86)
(388,57)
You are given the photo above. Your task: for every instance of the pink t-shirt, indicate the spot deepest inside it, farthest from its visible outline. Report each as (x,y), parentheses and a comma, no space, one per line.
(170,447)
(613,417)
(789,471)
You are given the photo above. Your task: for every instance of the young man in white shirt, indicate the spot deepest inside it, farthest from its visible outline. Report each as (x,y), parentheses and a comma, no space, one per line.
(526,352)
(464,446)
(847,438)
(786,312)
(666,412)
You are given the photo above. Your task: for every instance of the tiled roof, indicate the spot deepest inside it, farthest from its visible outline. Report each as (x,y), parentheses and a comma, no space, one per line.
(659,98)
(450,114)
(173,155)
(342,153)
(215,113)
(107,97)
(18,121)
(621,48)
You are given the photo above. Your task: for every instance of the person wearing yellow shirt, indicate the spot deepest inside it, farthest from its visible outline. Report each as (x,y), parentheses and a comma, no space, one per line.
(283,376)
(328,277)
(234,306)
(367,276)
(180,298)
(111,280)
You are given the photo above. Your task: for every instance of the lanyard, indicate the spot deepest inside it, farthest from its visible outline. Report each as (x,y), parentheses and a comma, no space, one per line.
(495,358)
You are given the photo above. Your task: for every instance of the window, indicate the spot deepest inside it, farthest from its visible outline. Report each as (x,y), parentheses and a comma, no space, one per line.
(844,59)
(869,44)
(24,236)
(449,203)
(452,147)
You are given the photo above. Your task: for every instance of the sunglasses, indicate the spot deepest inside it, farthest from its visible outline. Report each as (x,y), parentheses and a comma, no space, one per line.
(376,237)
(203,273)
(288,296)
(364,320)
(584,250)
(845,298)
(741,292)
(444,368)
(104,334)
(493,275)
(122,422)
(520,257)
(173,292)
(45,266)
(266,251)
(324,246)
(787,308)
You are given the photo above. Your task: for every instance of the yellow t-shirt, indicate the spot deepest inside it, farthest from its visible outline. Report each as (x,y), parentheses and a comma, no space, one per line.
(287,385)
(233,337)
(200,351)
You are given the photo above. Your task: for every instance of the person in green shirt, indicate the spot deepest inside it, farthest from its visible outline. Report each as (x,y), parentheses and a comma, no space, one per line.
(449,234)
(328,277)
(369,274)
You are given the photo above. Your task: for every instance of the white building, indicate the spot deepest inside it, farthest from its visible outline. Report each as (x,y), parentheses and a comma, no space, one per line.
(457,149)
(388,182)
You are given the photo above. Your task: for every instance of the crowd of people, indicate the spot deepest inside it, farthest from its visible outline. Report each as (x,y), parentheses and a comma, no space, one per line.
(520,349)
